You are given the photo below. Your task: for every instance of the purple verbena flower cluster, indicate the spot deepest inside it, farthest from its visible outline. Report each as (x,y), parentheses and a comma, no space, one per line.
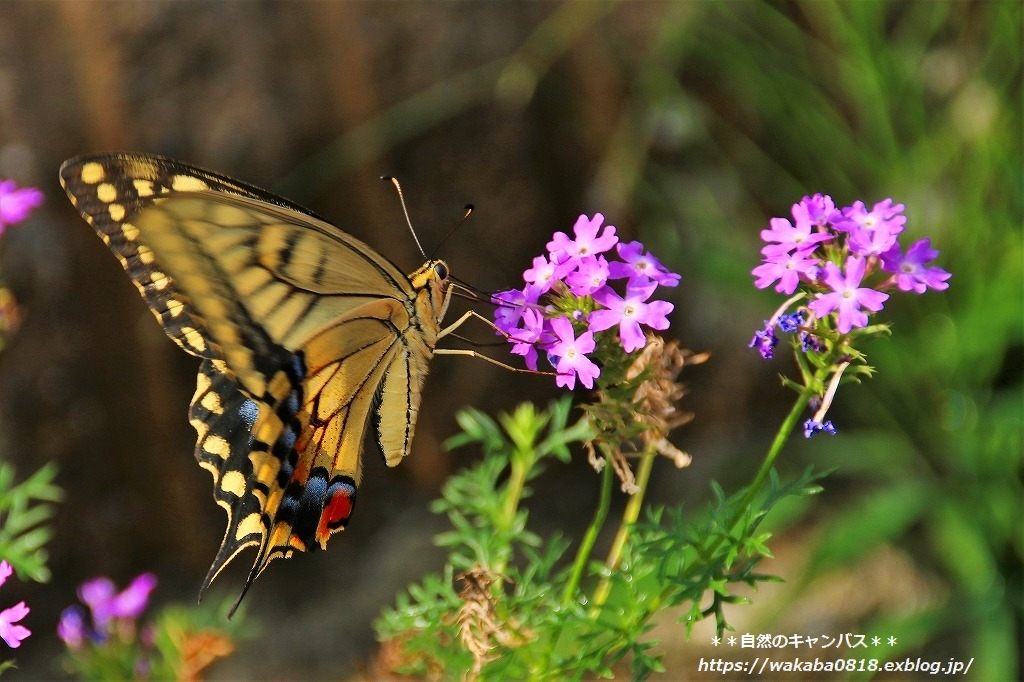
(574,278)
(825,257)
(110,612)
(11,632)
(829,253)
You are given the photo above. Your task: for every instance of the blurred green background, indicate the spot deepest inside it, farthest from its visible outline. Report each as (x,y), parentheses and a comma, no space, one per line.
(689,125)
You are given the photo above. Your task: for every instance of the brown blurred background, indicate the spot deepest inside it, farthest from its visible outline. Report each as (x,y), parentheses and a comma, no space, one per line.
(687,124)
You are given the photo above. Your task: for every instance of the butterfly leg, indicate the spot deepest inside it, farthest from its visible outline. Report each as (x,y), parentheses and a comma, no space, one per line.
(474,354)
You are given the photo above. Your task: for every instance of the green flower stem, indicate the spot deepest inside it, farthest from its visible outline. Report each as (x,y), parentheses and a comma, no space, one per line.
(519,469)
(590,537)
(787,426)
(629,517)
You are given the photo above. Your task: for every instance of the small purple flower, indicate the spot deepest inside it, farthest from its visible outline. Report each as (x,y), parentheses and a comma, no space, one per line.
(787,269)
(788,237)
(811,427)
(765,341)
(590,275)
(10,631)
(818,210)
(72,627)
(586,243)
(872,232)
(526,337)
(640,267)
(847,295)
(629,313)
(100,595)
(571,353)
(790,323)
(542,275)
(810,342)
(912,272)
(16,204)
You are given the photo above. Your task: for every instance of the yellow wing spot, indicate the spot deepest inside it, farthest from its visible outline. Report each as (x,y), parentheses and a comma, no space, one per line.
(106,192)
(92,173)
(146,255)
(211,401)
(105,237)
(233,482)
(175,308)
(249,525)
(131,233)
(209,466)
(194,339)
(159,280)
(144,188)
(216,445)
(116,212)
(187,183)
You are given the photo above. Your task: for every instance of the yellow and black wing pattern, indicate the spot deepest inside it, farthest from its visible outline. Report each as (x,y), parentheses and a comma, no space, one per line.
(307,336)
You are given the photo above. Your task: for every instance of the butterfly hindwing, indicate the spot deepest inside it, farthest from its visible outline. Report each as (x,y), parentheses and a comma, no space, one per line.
(307,336)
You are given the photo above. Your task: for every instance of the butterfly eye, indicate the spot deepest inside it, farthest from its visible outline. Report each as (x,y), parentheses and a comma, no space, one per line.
(441,270)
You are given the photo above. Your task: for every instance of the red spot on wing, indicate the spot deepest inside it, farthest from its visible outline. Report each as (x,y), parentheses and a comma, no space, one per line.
(342,499)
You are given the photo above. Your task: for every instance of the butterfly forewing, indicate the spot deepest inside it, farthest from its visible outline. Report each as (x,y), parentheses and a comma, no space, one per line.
(303,330)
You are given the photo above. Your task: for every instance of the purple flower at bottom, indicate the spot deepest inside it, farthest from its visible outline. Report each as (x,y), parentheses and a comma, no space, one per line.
(912,272)
(847,295)
(10,631)
(16,204)
(570,352)
(72,627)
(811,427)
(100,595)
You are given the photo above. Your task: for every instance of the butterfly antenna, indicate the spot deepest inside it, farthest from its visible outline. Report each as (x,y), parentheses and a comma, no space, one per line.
(467,211)
(405,211)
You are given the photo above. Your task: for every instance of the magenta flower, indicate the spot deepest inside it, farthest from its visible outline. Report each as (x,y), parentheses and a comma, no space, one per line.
(571,354)
(789,237)
(640,267)
(847,295)
(629,313)
(16,204)
(788,270)
(872,232)
(10,631)
(818,210)
(526,338)
(100,595)
(542,274)
(912,272)
(590,275)
(587,243)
